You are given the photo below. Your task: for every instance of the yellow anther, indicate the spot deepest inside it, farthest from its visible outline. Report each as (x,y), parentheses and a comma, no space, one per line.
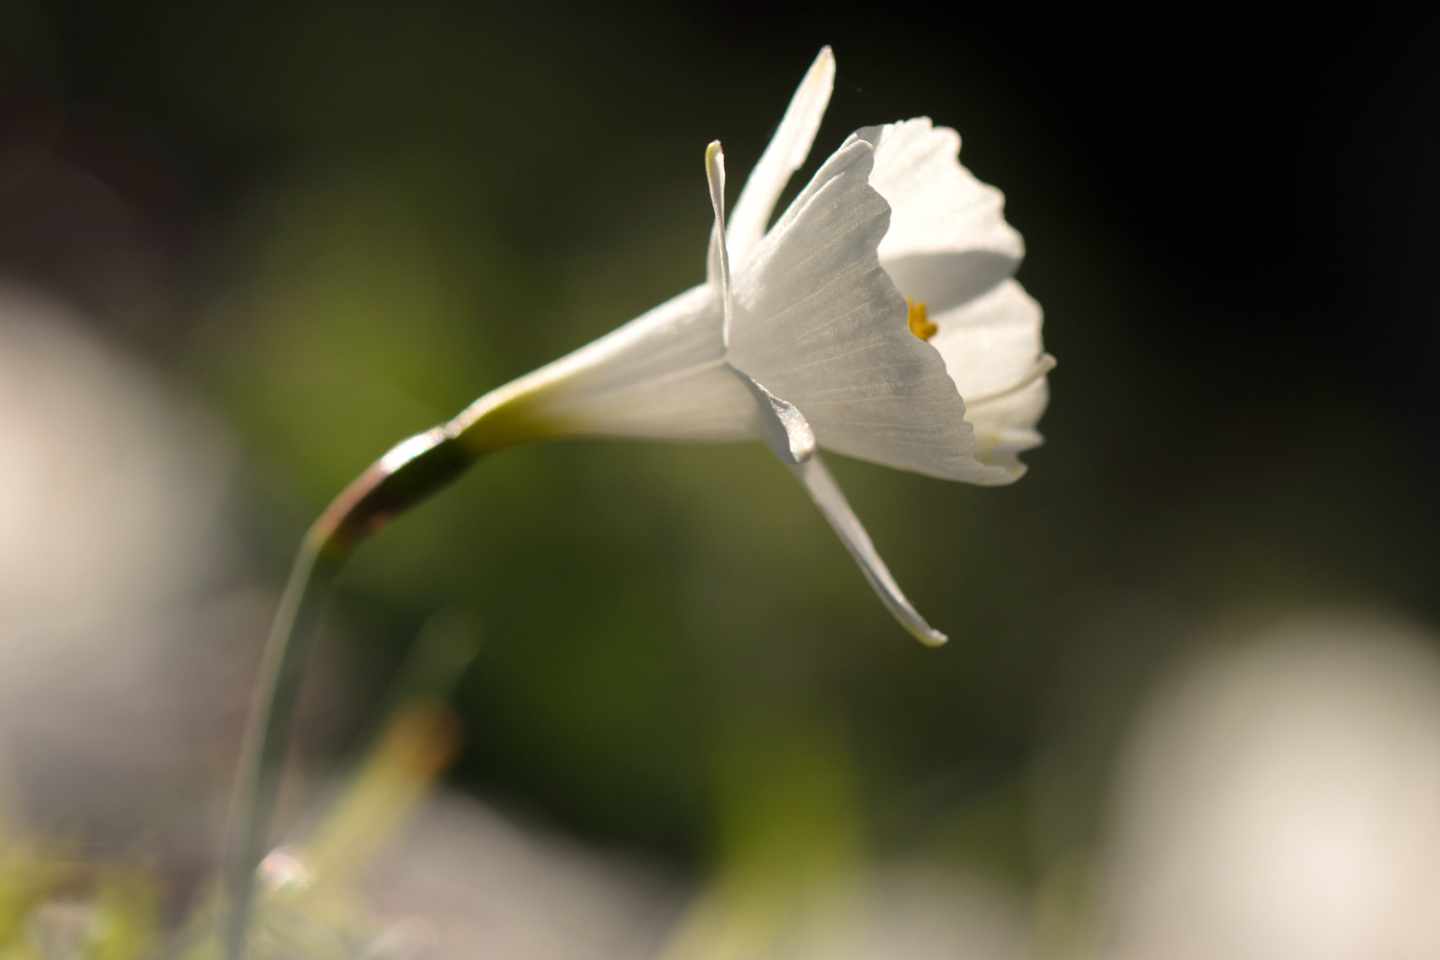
(919,320)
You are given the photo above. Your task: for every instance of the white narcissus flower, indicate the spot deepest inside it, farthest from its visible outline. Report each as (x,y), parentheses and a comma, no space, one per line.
(876,318)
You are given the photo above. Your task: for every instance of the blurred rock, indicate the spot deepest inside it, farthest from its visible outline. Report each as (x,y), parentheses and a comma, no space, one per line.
(466,882)
(1282,800)
(129,629)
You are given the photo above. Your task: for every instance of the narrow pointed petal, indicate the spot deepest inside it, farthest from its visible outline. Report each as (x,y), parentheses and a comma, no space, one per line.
(832,503)
(781,424)
(785,154)
(719,261)
(948,240)
(818,321)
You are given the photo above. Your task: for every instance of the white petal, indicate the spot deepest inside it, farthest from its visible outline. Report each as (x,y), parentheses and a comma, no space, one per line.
(991,343)
(718,262)
(780,423)
(785,154)
(948,240)
(819,322)
(993,351)
(847,526)
(1005,427)
(663,375)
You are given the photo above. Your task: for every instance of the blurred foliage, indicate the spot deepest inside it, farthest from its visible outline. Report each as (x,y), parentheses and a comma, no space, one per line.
(54,905)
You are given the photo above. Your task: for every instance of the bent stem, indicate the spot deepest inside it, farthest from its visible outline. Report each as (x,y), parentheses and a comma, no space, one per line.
(263,751)
(412,471)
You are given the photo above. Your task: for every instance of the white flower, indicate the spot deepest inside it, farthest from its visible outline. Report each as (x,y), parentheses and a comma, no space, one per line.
(877,318)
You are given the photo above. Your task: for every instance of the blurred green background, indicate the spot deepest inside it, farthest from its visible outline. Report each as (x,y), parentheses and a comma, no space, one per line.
(328,227)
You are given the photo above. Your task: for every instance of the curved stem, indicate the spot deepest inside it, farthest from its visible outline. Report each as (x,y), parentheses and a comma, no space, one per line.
(269,733)
(408,474)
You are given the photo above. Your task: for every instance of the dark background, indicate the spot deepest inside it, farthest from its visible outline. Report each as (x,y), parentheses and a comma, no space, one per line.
(335,226)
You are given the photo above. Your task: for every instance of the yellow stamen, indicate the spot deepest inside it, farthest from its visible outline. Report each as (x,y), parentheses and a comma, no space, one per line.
(919,320)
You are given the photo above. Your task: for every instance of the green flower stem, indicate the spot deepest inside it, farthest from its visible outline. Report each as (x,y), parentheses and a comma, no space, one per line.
(411,472)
